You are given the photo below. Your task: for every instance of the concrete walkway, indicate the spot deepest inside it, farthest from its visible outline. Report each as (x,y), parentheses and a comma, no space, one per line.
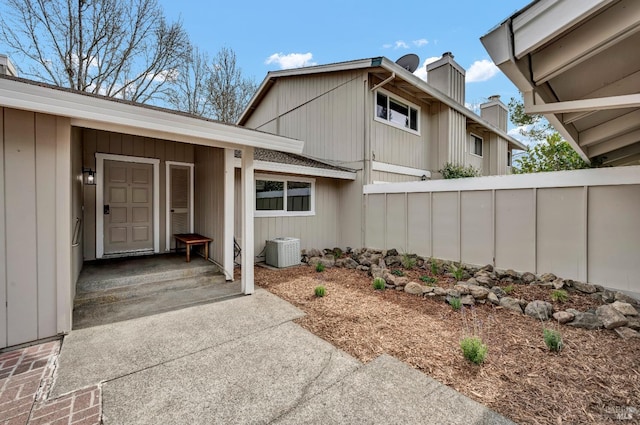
(243,360)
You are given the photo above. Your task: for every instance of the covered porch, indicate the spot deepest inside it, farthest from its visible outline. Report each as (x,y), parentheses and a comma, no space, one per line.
(54,139)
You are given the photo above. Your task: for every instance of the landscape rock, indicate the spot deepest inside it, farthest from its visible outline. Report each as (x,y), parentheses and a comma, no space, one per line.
(325,261)
(498,291)
(610,317)
(586,288)
(625,308)
(538,309)
(634,323)
(362,268)
(393,261)
(627,333)
(608,296)
(427,289)
(584,320)
(528,278)
(348,263)
(493,298)
(558,284)
(478,292)
(509,273)
(394,280)
(563,317)
(413,288)
(462,288)
(376,271)
(511,304)
(313,253)
(391,253)
(484,280)
(441,292)
(621,296)
(488,268)
(467,300)
(453,293)
(548,277)
(472,281)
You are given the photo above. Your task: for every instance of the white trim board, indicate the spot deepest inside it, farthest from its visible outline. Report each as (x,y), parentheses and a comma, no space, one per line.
(167,189)
(278,167)
(399,169)
(100,158)
(575,178)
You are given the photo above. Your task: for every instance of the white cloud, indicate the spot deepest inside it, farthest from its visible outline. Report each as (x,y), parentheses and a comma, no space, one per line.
(421,72)
(481,70)
(421,42)
(401,45)
(291,60)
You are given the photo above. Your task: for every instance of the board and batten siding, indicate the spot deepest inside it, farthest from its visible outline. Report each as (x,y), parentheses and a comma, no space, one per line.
(325,111)
(35,226)
(580,225)
(99,141)
(320,230)
(209,199)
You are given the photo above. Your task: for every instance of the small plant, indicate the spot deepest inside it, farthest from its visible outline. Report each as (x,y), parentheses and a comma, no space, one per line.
(319,267)
(379,283)
(473,349)
(560,295)
(508,289)
(397,272)
(455,303)
(409,261)
(428,280)
(452,171)
(337,253)
(320,291)
(553,339)
(434,267)
(457,271)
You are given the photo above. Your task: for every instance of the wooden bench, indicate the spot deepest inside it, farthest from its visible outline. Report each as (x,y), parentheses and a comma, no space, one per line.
(190,239)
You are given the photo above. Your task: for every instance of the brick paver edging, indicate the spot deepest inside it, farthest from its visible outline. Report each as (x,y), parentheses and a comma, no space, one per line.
(26,377)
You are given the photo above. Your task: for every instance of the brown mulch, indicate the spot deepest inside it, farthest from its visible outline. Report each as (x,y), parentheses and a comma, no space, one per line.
(594,380)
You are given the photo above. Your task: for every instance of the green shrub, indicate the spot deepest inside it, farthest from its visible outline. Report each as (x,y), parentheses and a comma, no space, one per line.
(319,267)
(428,279)
(455,303)
(379,283)
(457,271)
(434,267)
(397,272)
(473,349)
(409,261)
(553,340)
(320,291)
(560,295)
(452,171)
(508,289)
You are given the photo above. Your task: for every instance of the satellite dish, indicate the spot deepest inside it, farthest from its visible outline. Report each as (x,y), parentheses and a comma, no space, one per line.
(409,62)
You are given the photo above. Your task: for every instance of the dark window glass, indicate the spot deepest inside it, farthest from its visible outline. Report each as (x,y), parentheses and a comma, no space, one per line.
(298,196)
(413,119)
(381,106)
(269,195)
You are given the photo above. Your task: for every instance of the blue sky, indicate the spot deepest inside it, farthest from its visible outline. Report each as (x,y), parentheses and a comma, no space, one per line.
(271,35)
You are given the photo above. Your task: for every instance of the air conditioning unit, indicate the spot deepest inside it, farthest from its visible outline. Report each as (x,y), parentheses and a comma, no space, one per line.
(283,252)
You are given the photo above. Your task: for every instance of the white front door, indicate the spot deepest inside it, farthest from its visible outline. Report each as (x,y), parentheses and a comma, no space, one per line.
(128,207)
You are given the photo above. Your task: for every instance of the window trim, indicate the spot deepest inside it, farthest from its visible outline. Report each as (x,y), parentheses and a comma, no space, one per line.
(284,212)
(509,158)
(401,101)
(473,145)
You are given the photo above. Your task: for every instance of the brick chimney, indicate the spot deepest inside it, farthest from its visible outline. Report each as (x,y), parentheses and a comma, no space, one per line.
(448,77)
(6,67)
(495,112)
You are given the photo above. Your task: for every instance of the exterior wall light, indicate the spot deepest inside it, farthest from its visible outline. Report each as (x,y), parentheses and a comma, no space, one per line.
(89,176)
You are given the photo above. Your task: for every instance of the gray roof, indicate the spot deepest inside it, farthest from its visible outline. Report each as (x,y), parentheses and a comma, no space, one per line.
(269,155)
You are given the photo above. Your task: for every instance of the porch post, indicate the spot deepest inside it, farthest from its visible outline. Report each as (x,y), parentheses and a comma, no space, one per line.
(229,201)
(248,199)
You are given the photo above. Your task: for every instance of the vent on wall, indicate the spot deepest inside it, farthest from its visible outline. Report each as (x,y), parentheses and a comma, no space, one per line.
(283,252)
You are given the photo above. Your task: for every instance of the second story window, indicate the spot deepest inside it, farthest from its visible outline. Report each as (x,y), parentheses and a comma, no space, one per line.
(476,145)
(396,112)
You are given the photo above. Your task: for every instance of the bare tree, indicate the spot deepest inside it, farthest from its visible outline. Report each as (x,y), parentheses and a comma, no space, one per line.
(229,91)
(189,89)
(119,48)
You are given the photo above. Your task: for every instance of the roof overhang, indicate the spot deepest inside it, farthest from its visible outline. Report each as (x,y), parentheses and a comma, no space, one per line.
(103,113)
(384,69)
(577,63)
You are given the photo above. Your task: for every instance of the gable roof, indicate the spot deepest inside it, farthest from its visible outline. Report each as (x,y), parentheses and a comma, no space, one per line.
(105,113)
(577,63)
(383,68)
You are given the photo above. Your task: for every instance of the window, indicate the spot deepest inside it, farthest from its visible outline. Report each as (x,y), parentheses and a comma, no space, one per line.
(476,145)
(508,158)
(277,196)
(395,112)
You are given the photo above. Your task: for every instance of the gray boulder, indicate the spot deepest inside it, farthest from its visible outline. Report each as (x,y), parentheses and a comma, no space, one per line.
(498,291)
(484,280)
(627,333)
(540,310)
(528,278)
(625,308)
(587,288)
(467,300)
(563,317)
(548,277)
(413,288)
(621,296)
(584,320)
(511,304)
(441,292)
(493,298)
(348,263)
(610,317)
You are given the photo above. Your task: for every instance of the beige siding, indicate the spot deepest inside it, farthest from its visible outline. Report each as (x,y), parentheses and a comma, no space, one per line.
(587,232)
(209,198)
(32,260)
(326,112)
(97,141)
(316,231)
(77,249)
(350,210)
(383,176)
